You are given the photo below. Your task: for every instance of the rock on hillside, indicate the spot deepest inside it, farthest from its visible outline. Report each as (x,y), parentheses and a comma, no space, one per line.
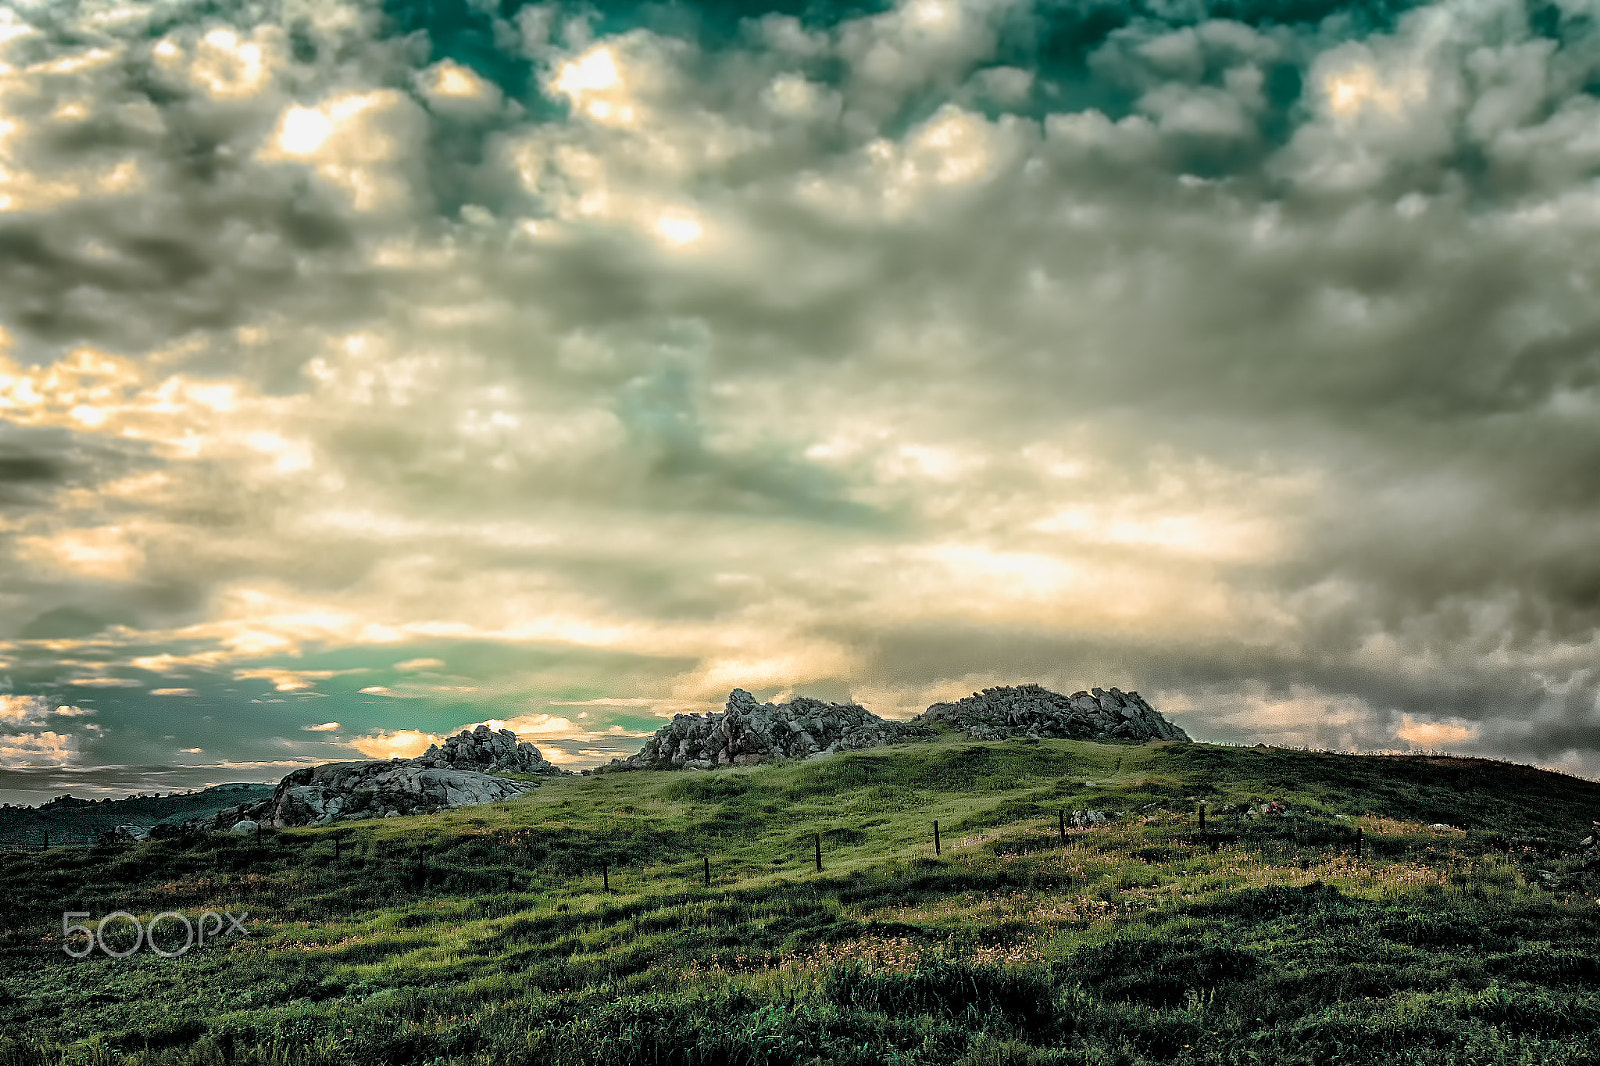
(1032,711)
(747,732)
(458,774)
(318,795)
(487,752)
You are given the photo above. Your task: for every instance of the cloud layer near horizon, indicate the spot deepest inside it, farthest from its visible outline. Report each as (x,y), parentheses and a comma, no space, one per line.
(537,361)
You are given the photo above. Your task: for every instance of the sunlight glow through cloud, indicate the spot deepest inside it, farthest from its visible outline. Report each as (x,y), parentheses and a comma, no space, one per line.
(304,131)
(677,229)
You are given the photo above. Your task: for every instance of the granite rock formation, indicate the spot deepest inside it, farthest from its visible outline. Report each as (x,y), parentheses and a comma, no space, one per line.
(318,795)
(748,731)
(486,751)
(1032,711)
(460,773)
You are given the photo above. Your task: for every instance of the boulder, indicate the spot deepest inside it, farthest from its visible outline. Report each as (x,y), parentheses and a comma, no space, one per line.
(245,825)
(321,795)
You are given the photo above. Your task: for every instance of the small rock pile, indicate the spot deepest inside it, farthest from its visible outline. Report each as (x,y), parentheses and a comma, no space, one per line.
(1037,713)
(461,773)
(748,731)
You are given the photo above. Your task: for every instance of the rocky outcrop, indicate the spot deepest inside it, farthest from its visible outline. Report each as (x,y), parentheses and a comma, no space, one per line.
(1031,711)
(319,795)
(488,752)
(748,731)
(460,773)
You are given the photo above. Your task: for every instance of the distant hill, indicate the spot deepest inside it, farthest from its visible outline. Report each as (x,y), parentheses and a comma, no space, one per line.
(70,820)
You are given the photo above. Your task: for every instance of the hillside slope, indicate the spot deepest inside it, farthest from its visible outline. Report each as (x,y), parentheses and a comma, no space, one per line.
(485,935)
(79,821)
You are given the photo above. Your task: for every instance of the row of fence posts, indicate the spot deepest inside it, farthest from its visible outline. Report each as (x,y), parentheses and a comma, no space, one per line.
(1061,829)
(705,860)
(605,869)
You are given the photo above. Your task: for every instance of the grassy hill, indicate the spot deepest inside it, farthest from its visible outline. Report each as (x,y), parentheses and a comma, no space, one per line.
(78,821)
(484,935)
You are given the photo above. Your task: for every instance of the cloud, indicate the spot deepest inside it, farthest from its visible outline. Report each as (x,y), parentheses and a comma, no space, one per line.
(1435,734)
(539,724)
(289,680)
(399,744)
(325,727)
(1245,360)
(24,710)
(38,749)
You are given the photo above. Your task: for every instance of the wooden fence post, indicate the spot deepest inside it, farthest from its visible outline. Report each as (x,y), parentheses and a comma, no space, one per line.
(819,852)
(1359,841)
(707,859)
(1202,817)
(605,876)
(1061,826)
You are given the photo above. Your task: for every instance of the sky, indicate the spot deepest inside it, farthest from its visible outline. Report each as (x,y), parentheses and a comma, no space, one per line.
(369,370)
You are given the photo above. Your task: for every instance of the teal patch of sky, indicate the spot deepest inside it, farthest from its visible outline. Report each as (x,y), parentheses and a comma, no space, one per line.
(485,663)
(473,34)
(661,415)
(1560,23)
(1053,40)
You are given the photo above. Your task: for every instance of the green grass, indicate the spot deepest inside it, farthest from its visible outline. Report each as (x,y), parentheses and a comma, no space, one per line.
(483,936)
